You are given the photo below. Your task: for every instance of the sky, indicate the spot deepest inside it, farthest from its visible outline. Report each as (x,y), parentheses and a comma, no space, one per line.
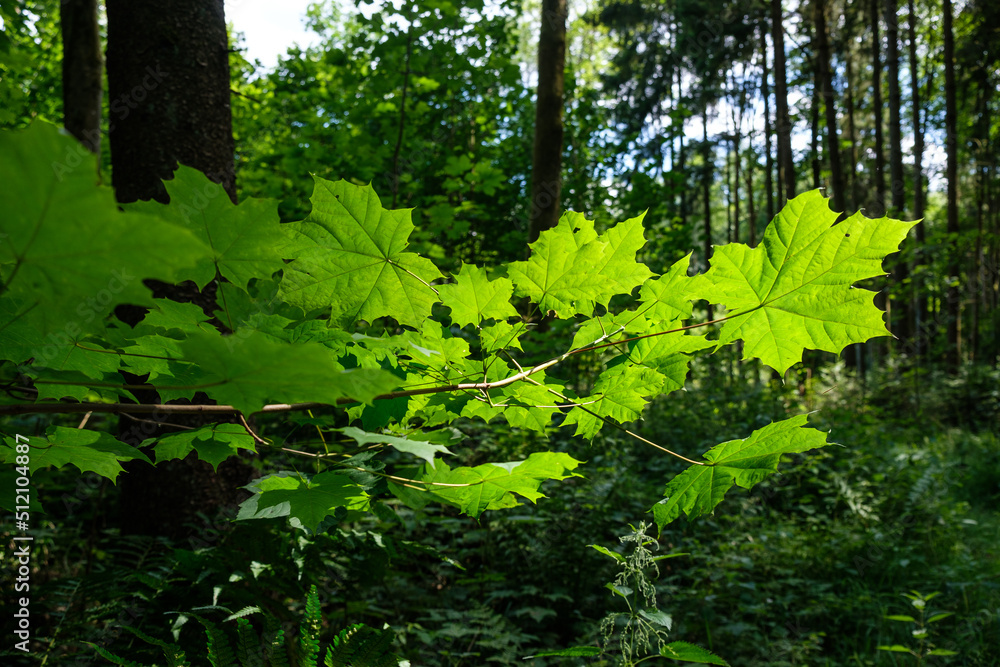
(270,27)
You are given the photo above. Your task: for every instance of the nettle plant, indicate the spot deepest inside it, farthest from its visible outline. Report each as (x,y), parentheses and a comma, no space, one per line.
(333,312)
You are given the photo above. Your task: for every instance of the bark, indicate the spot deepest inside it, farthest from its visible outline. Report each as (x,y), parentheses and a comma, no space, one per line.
(706,191)
(814,131)
(546,173)
(168,82)
(953,353)
(918,295)
(826,82)
(877,208)
(852,133)
(784,122)
(168,78)
(82,71)
(402,116)
(768,131)
(897,184)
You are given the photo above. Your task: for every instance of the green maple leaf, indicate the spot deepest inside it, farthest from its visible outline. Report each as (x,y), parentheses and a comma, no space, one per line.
(214,443)
(350,260)
(697,490)
(492,485)
(89,451)
(620,393)
(571,268)
(244,240)
(248,372)
(68,256)
(668,298)
(794,291)
(308,500)
(422,448)
(473,297)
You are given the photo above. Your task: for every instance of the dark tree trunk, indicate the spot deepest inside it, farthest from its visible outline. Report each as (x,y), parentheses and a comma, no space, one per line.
(852,133)
(897,184)
(953,353)
(706,191)
(826,82)
(784,121)
(814,131)
(768,158)
(546,173)
(168,78)
(919,296)
(877,208)
(168,82)
(82,71)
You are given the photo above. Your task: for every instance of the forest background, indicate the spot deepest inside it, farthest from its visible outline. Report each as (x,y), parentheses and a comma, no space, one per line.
(489,120)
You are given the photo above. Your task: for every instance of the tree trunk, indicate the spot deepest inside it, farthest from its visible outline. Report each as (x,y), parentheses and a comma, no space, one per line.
(919,296)
(852,133)
(768,157)
(953,353)
(82,71)
(897,186)
(706,191)
(826,81)
(784,122)
(546,173)
(877,208)
(168,78)
(168,81)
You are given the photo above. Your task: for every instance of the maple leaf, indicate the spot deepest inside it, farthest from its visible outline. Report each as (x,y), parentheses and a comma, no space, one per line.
(473,297)
(746,462)
(492,485)
(68,256)
(244,240)
(307,500)
(571,268)
(350,259)
(89,451)
(214,443)
(247,372)
(794,291)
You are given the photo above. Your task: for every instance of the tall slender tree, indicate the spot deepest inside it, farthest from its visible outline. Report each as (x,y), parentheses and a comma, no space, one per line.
(877,207)
(918,305)
(828,96)
(546,172)
(784,122)
(953,352)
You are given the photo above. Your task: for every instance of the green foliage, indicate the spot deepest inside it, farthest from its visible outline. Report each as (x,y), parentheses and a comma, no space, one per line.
(920,630)
(306,309)
(356,646)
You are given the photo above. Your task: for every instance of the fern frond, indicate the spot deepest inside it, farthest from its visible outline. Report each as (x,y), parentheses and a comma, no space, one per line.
(310,628)
(248,644)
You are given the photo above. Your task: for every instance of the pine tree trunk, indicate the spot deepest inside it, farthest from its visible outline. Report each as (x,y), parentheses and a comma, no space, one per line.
(768,130)
(546,172)
(784,121)
(706,190)
(829,100)
(877,207)
(919,296)
(953,353)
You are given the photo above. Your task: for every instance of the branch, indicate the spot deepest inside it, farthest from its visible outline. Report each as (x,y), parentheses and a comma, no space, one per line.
(165,408)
